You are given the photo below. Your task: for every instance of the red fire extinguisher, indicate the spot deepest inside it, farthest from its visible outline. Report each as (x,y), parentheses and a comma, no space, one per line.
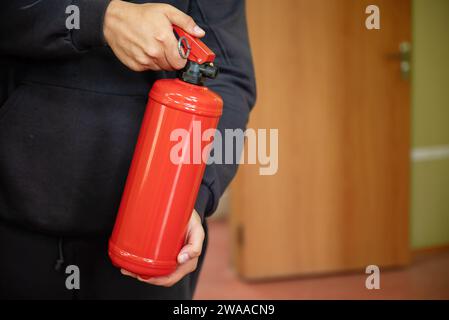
(160,193)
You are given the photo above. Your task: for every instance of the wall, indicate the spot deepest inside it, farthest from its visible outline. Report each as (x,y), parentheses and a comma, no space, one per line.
(430,109)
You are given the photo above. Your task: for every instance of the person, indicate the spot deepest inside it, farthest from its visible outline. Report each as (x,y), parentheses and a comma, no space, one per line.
(72,100)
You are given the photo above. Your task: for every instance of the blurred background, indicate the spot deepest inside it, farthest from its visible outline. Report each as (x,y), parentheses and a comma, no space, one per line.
(363,178)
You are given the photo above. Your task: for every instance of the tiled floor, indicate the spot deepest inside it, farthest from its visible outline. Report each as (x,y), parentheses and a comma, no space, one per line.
(426,278)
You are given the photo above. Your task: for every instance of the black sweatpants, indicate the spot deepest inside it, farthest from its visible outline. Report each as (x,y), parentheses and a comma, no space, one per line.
(27,270)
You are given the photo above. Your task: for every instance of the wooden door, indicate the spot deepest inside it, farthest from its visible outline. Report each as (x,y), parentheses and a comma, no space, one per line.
(340,198)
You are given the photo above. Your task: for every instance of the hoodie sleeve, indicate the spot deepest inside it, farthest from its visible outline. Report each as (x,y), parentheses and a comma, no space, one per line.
(37,28)
(226,34)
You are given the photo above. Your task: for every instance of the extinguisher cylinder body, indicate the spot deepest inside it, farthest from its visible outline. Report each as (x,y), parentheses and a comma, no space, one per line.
(164,177)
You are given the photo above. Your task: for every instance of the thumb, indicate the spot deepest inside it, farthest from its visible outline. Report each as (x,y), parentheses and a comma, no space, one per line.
(185,22)
(194,244)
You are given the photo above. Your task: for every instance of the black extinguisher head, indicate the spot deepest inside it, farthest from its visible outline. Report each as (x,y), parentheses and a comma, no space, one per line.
(200,58)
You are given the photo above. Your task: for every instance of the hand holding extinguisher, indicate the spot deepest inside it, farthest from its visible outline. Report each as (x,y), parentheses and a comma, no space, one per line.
(160,193)
(141,37)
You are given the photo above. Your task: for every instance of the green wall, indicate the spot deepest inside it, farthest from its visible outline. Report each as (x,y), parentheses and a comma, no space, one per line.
(430,123)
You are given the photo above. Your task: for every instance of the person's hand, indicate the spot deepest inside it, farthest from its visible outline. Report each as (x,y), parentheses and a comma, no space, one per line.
(187,257)
(141,35)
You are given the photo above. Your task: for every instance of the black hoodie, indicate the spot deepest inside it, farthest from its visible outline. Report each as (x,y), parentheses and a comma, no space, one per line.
(70,112)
